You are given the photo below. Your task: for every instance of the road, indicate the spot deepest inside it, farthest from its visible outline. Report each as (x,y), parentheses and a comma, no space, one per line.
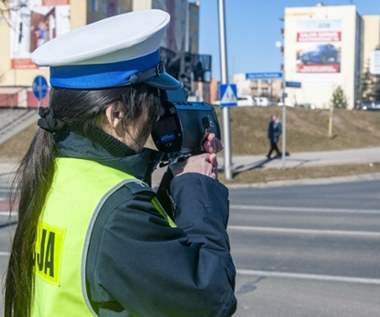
(310,250)
(306,250)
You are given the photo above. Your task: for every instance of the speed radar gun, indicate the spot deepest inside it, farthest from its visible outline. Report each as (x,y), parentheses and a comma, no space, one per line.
(183,126)
(180,133)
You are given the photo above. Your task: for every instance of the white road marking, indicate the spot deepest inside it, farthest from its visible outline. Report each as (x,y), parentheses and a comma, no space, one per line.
(307,209)
(316,277)
(305,231)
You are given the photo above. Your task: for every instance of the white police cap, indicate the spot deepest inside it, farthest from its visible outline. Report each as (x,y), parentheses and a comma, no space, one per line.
(113,52)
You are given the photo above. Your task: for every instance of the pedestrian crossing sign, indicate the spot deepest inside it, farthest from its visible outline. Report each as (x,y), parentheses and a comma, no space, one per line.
(228,95)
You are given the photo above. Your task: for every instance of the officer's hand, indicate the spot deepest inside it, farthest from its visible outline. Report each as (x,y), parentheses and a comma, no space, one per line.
(212,144)
(204,163)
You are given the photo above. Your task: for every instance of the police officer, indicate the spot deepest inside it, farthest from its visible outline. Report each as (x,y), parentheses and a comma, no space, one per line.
(92,239)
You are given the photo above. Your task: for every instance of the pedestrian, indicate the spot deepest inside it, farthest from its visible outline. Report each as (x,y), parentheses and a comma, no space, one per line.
(92,239)
(274,133)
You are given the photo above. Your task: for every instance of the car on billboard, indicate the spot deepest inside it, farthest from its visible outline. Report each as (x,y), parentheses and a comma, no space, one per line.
(322,54)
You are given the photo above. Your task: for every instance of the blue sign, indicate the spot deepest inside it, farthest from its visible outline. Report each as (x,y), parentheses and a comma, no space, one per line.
(228,95)
(293,84)
(263,75)
(40,87)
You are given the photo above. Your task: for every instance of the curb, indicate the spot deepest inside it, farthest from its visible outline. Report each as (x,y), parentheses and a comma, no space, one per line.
(309,181)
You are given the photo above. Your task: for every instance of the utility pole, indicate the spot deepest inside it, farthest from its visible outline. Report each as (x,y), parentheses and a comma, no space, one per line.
(224,80)
(331,119)
(283,121)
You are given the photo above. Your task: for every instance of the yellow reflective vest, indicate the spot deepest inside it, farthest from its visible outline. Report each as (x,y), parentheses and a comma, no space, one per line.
(78,191)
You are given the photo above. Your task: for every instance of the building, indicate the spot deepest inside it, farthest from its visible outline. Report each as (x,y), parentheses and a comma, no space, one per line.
(371,37)
(326,47)
(270,88)
(33,22)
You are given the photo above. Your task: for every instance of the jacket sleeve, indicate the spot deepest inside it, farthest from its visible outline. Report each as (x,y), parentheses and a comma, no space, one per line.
(270,130)
(138,265)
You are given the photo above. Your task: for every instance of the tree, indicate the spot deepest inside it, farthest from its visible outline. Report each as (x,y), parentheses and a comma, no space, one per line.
(366,85)
(339,99)
(370,86)
(6,8)
(376,89)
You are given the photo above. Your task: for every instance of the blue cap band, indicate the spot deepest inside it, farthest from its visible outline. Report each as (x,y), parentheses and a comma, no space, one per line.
(98,76)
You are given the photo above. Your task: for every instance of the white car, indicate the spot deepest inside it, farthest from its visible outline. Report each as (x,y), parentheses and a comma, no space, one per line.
(246,101)
(306,105)
(241,101)
(261,101)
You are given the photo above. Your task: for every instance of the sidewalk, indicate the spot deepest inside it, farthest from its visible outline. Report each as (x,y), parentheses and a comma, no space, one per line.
(241,163)
(306,159)
(249,162)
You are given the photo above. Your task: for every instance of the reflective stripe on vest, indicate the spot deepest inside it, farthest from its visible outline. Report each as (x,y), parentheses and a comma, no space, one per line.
(78,191)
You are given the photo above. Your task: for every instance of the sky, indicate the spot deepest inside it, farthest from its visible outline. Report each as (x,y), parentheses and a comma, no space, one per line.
(252,29)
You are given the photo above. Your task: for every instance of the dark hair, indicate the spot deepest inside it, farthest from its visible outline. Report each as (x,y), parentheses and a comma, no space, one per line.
(79,110)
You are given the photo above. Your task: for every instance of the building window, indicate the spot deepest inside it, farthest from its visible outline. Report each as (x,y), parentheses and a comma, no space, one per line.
(94,5)
(110,8)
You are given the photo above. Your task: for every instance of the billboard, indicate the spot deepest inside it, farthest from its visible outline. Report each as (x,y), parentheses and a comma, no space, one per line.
(318,46)
(33,25)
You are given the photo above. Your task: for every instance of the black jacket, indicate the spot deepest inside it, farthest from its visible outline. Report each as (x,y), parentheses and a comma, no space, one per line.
(138,265)
(274,131)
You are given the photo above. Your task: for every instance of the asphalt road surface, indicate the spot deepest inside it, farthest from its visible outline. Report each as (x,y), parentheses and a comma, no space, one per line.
(310,250)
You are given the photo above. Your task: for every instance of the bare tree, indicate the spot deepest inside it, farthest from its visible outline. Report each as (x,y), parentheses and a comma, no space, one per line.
(6,7)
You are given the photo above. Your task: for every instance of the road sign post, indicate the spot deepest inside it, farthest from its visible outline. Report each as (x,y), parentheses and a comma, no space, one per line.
(283,131)
(224,79)
(286,84)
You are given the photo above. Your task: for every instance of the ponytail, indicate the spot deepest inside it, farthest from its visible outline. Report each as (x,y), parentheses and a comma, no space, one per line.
(30,185)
